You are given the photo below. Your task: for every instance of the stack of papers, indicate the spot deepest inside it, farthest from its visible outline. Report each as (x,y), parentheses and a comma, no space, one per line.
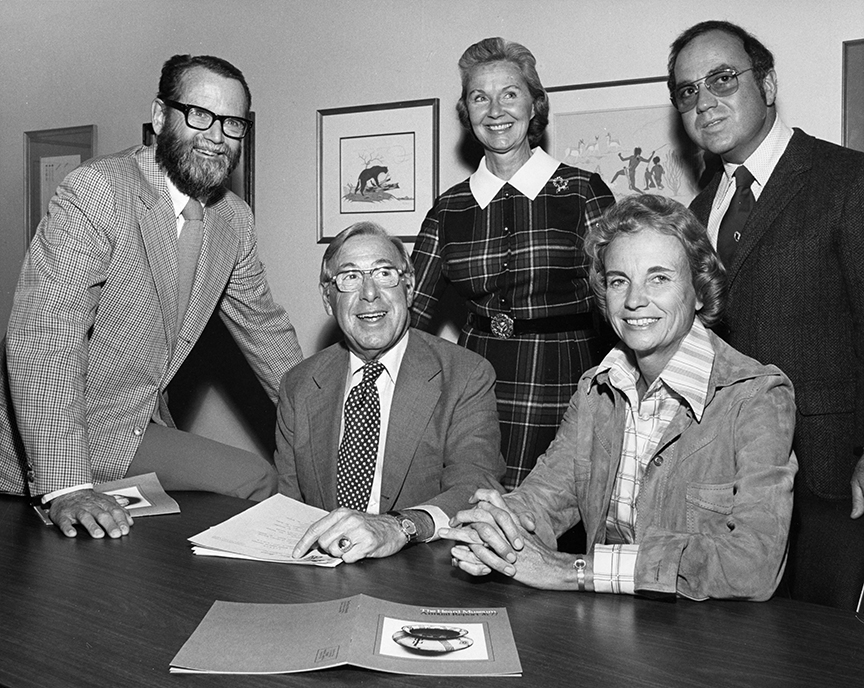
(363,631)
(267,531)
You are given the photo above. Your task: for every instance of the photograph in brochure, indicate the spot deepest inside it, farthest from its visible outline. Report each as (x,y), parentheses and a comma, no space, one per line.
(362,631)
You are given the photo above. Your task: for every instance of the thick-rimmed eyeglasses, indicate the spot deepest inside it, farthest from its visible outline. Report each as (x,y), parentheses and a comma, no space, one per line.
(202,119)
(349,281)
(720,83)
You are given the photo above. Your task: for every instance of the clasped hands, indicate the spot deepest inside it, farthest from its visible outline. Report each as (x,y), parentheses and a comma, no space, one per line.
(353,535)
(494,537)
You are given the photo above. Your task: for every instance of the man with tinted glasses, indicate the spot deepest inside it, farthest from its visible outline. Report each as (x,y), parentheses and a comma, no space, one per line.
(136,252)
(786,214)
(391,430)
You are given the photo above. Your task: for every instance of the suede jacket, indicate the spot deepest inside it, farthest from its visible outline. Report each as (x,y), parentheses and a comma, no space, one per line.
(715,501)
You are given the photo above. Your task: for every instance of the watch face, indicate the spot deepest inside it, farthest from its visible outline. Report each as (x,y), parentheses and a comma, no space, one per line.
(408,526)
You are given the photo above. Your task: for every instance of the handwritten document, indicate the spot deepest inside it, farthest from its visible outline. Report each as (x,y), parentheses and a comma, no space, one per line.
(267,531)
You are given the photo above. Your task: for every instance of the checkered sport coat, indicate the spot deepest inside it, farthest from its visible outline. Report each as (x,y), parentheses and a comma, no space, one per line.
(92,342)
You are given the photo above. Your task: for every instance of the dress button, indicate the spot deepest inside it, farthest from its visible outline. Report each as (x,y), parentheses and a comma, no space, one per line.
(658,461)
(138,432)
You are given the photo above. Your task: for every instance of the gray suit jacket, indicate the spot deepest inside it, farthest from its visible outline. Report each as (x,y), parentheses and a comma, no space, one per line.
(796,299)
(92,340)
(443,440)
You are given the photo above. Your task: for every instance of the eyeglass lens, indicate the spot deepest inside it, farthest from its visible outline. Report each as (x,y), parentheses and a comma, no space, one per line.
(199,118)
(723,83)
(352,280)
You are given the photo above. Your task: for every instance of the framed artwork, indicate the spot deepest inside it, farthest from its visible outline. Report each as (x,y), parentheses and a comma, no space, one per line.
(242,179)
(49,155)
(377,163)
(629,133)
(853,94)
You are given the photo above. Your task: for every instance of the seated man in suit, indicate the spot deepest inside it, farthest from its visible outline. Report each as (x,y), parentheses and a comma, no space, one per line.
(418,429)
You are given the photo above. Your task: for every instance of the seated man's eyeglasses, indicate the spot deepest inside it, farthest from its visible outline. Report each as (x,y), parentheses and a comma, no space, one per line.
(386,277)
(721,83)
(202,119)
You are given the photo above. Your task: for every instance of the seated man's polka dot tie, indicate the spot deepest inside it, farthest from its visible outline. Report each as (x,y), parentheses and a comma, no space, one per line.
(358,451)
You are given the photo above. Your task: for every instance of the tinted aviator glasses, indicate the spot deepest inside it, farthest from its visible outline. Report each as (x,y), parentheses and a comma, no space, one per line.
(202,119)
(722,83)
(386,277)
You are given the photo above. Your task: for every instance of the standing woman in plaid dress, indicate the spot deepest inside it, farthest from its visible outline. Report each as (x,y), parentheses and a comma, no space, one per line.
(510,240)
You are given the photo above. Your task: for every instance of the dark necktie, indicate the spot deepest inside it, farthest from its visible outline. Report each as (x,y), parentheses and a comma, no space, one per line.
(188,250)
(358,451)
(733,221)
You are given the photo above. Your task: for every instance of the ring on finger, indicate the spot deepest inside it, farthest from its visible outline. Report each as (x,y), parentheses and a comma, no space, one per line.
(344,544)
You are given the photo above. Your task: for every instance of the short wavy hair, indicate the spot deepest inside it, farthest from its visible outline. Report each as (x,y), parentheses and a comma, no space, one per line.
(635,213)
(761,59)
(498,49)
(361,229)
(175,69)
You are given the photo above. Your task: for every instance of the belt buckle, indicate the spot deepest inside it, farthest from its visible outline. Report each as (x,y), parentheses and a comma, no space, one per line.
(502,326)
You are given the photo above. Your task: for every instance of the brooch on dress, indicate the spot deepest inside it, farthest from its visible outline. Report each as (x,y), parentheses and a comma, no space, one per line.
(560,184)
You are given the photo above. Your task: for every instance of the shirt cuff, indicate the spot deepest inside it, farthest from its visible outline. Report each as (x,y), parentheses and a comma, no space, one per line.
(66,490)
(439,519)
(615,568)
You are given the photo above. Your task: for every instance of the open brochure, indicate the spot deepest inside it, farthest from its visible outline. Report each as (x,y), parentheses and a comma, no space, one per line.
(267,531)
(363,631)
(141,495)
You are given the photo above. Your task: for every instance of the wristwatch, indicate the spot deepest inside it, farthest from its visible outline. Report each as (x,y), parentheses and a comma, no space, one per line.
(580,565)
(406,525)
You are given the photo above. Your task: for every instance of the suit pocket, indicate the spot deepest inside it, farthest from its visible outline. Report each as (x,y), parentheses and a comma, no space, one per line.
(709,507)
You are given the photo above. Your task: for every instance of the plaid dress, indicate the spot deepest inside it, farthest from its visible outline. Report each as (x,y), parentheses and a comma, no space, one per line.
(524,258)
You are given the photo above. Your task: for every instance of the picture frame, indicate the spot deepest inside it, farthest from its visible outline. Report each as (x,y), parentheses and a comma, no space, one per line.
(377,163)
(628,132)
(49,155)
(242,179)
(853,94)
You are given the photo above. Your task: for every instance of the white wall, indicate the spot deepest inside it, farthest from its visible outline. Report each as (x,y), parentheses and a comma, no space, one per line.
(74,62)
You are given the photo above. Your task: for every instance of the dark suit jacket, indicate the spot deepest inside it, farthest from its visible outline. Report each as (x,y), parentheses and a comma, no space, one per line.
(92,340)
(443,440)
(796,299)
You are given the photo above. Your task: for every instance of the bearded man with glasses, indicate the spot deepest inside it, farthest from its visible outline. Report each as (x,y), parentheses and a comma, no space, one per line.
(392,429)
(786,215)
(137,251)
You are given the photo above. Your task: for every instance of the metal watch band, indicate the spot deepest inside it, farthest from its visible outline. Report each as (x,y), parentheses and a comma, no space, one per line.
(580,565)
(406,525)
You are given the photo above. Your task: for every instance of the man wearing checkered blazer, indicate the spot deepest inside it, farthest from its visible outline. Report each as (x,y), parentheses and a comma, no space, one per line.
(98,327)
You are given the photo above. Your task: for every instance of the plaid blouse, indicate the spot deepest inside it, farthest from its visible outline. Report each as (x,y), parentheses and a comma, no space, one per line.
(515,255)
(684,380)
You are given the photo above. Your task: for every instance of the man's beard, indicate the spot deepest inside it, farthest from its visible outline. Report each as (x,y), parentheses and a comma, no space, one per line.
(194,175)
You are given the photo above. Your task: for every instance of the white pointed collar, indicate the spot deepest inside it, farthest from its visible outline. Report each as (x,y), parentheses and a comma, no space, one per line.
(529,179)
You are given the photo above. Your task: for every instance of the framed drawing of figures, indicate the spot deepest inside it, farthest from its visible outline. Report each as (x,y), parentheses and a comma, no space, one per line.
(629,133)
(378,163)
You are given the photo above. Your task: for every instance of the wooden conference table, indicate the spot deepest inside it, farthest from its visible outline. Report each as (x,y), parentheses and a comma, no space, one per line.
(84,612)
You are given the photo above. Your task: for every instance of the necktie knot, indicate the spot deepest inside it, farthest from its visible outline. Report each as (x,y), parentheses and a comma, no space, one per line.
(743,178)
(193,210)
(371,371)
